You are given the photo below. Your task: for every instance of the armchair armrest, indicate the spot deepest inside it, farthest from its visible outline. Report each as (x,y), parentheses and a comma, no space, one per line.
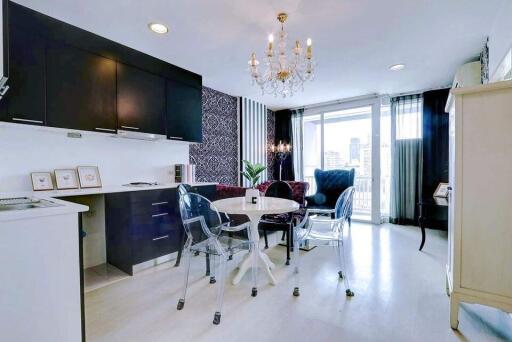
(228,228)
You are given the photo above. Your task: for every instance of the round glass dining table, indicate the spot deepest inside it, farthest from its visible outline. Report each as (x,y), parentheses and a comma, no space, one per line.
(264,206)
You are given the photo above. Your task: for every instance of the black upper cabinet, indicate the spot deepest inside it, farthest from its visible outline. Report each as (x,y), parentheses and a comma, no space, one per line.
(140,100)
(26,96)
(81,89)
(184,112)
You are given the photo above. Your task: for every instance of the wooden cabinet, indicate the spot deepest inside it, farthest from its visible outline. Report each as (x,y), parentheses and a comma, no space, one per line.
(63,76)
(81,89)
(184,112)
(140,226)
(26,95)
(479,217)
(140,100)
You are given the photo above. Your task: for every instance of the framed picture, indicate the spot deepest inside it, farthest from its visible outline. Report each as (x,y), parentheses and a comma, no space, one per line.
(442,190)
(66,179)
(89,177)
(41,181)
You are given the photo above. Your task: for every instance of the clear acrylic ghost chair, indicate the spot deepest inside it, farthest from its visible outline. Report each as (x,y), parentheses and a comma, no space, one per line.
(318,225)
(203,227)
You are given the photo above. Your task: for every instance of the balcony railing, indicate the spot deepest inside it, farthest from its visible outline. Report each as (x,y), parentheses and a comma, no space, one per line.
(362,195)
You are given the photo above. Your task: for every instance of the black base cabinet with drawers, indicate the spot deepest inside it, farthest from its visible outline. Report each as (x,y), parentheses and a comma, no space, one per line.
(144,225)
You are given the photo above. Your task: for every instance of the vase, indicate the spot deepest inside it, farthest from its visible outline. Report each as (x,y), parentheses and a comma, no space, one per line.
(252,195)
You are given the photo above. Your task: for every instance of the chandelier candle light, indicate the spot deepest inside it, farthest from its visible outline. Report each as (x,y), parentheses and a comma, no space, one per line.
(281,151)
(283,75)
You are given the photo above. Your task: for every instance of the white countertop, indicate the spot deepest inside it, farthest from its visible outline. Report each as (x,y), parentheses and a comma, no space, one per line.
(109,189)
(70,207)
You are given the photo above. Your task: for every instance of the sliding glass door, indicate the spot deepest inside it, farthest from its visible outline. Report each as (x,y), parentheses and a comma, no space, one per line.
(344,139)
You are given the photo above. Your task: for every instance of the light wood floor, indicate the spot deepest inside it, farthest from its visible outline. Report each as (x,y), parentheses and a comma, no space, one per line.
(399,296)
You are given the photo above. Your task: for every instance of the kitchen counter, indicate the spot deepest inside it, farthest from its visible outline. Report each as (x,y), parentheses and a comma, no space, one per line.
(70,207)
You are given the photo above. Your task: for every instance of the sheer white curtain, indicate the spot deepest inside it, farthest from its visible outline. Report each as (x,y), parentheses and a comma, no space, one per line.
(297,141)
(407,158)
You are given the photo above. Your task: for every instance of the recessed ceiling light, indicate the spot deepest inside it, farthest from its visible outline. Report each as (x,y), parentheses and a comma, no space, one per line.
(397,67)
(158,28)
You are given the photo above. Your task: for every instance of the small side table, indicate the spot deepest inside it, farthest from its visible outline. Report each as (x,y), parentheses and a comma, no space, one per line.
(426,206)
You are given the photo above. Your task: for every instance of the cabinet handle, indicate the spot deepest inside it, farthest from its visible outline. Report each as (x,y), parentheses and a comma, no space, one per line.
(159,203)
(27,120)
(161,237)
(129,127)
(179,138)
(4,90)
(158,215)
(105,129)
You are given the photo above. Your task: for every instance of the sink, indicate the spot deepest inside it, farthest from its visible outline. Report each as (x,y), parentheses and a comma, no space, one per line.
(24,203)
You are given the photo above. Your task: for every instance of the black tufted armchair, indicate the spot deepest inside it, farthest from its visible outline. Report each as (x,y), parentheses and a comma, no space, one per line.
(329,185)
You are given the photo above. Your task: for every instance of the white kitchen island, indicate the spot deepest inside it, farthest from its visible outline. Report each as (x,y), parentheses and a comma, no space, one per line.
(40,277)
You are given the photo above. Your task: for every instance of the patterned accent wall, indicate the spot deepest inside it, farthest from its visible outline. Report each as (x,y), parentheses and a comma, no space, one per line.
(216,159)
(271,136)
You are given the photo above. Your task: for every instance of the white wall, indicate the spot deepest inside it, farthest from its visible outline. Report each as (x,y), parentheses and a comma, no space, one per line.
(500,37)
(25,149)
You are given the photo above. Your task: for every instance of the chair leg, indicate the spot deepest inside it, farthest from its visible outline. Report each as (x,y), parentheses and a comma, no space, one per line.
(230,234)
(288,244)
(283,236)
(350,222)
(266,239)
(181,302)
(220,290)
(213,264)
(180,251)
(341,256)
(207,264)
(254,270)
(296,263)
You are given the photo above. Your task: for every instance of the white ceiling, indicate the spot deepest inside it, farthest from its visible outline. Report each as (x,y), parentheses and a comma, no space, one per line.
(354,40)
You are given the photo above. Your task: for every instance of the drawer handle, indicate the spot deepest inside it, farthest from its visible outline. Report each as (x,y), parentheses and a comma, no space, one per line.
(105,129)
(159,203)
(129,127)
(161,237)
(158,215)
(179,138)
(27,120)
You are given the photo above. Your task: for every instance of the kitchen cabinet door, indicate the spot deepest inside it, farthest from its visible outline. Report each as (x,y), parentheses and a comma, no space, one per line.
(26,95)
(184,112)
(140,100)
(81,90)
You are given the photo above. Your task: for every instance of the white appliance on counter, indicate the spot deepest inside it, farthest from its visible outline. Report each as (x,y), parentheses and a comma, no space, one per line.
(479,269)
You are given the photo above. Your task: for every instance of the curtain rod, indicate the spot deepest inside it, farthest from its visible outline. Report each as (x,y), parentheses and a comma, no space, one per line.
(367,97)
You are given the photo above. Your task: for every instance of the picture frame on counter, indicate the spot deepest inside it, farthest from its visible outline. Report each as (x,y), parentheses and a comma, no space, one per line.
(66,179)
(41,181)
(89,177)
(442,190)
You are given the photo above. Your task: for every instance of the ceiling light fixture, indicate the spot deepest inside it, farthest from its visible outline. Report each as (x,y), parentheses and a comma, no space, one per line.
(158,28)
(397,67)
(284,74)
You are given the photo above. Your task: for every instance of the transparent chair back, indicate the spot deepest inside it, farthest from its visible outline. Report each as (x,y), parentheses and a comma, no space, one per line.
(203,227)
(319,225)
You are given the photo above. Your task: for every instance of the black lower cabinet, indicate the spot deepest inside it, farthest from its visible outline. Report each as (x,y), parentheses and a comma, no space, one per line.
(140,226)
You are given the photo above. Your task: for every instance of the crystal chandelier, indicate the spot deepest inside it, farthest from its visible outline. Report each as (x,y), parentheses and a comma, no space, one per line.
(283,74)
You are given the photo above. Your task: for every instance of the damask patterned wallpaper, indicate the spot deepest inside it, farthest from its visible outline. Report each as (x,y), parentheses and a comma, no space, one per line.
(216,159)
(271,135)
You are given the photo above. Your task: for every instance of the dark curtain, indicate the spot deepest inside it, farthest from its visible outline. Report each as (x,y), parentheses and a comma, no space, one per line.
(284,134)
(435,152)
(406,155)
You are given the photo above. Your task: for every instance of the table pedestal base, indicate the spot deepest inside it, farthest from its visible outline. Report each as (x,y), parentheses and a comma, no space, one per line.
(246,265)
(263,259)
